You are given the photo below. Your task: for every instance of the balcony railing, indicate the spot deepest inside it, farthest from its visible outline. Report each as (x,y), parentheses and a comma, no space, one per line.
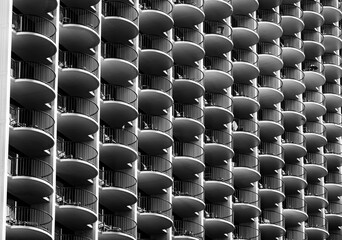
(70,237)
(331,3)
(246,232)
(21,117)
(218,63)
(291,10)
(192,150)
(219,211)
(244,195)
(156,123)
(333,177)
(116,179)
(155,82)
(273,115)
(119,9)
(188,111)
(188,189)
(317,222)
(246,161)
(295,170)
(218,100)
(333,88)
(272,217)
(188,228)
(313,96)
(155,164)
(268,15)
(312,35)
(292,73)
(68,104)
(79,16)
(155,42)
(293,106)
(273,82)
(294,234)
(76,197)
(118,93)
(220,28)
(270,49)
(313,66)
(189,73)
(334,59)
(196,3)
(242,55)
(247,125)
(119,51)
(189,35)
(118,136)
(218,136)
(272,182)
(219,174)
(34,24)
(316,159)
(78,60)
(330,29)
(76,150)
(333,147)
(245,90)
(332,117)
(334,207)
(148,204)
(34,71)
(271,148)
(295,202)
(315,127)
(30,217)
(292,41)
(119,224)
(30,167)
(158,5)
(317,190)
(312,6)
(244,21)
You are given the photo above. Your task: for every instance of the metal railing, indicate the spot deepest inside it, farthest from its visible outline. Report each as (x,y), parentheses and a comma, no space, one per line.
(156,123)
(159,83)
(292,73)
(317,222)
(149,204)
(218,100)
(269,114)
(109,178)
(272,182)
(78,60)
(189,73)
(164,6)
(189,35)
(245,90)
(333,88)
(188,228)
(187,149)
(215,27)
(295,202)
(295,170)
(317,190)
(315,127)
(270,49)
(119,51)
(246,196)
(312,35)
(21,117)
(271,148)
(219,211)
(188,189)
(312,6)
(35,24)
(273,82)
(246,161)
(218,136)
(334,207)
(272,217)
(118,93)
(333,177)
(219,174)
(147,41)
(218,63)
(268,15)
(69,104)
(79,16)
(244,21)
(334,59)
(247,125)
(34,71)
(118,224)
(120,9)
(333,147)
(316,159)
(332,117)
(246,232)
(30,217)
(118,136)
(243,55)
(76,197)
(76,150)
(70,237)
(293,106)
(292,41)
(330,3)
(290,10)
(331,29)
(295,234)
(313,66)
(30,167)
(155,164)
(188,111)
(313,96)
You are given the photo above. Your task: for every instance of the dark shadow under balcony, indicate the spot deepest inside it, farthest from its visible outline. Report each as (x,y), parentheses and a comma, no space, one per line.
(218,9)
(218,183)
(219,220)
(294,177)
(187,230)
(293,49)
(246,204)
(332,37)
(246,134)
(45,7)
(245,65)
(291,19)
(245,30)
(246,169)
(294,209)
(83,4)
(188,13)
(218,38)
(270,90)
(271,190)
(269,24)
(218,110)
(115,226)
(271,156)
(292,78)
(272,224)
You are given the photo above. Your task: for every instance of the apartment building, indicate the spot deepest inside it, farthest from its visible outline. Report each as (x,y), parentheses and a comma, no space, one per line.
(170,119)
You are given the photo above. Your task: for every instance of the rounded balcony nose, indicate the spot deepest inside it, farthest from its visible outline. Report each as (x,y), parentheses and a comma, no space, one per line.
(291,19)
(218,9)
(112,226)
(188,13)
(245,31)
(37,7)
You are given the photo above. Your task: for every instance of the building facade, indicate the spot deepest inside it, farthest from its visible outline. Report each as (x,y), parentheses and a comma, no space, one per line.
(170,119)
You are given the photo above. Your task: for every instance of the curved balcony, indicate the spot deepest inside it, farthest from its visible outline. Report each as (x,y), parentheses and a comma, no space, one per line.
(266,4)
(316,196)
(270,90)
(117,147)
(155,214)
(333,181)
(313,74)
(117,185)
(271,123)
(188,160)
(75,155)
(245,65)
(218,37)
(269,25)
(291,19)
(317,227)
(246,205)
(118,227)
(245,6)
(271,190)
(243,231)
(155,54)
(270,57)
(332,66)
(314,133)
(314,102)
(272,224)
(119,64)
(155,134)
(293,49)
(294,144)
(155,16)
(33,38)
(294,209)
(188,13)
(218,9)
(218,146)
(29,178)
(31,132)
(188,83)
(332,92)
(245,98)
(333,124)
(313,43)
(316,165)
(246,169)
(77,74)
(218,109)
(82,23)
(245,30)
(188,198)
(333,153)
(334,214)
(292,78)
(76,207)
(245,134)
(332,37)
(44,6)
(271,156)
(83,4)
(155,174)
(294,176)
(295,233)
(155,94)
(118,105)
(77,118)
(119,17)
(312,13)
(293,112)
(28,222)
(331,11)
(30,78)
(188,122)
(218,221)
(187,230)
(218,183)
(188,45)
(218,74)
